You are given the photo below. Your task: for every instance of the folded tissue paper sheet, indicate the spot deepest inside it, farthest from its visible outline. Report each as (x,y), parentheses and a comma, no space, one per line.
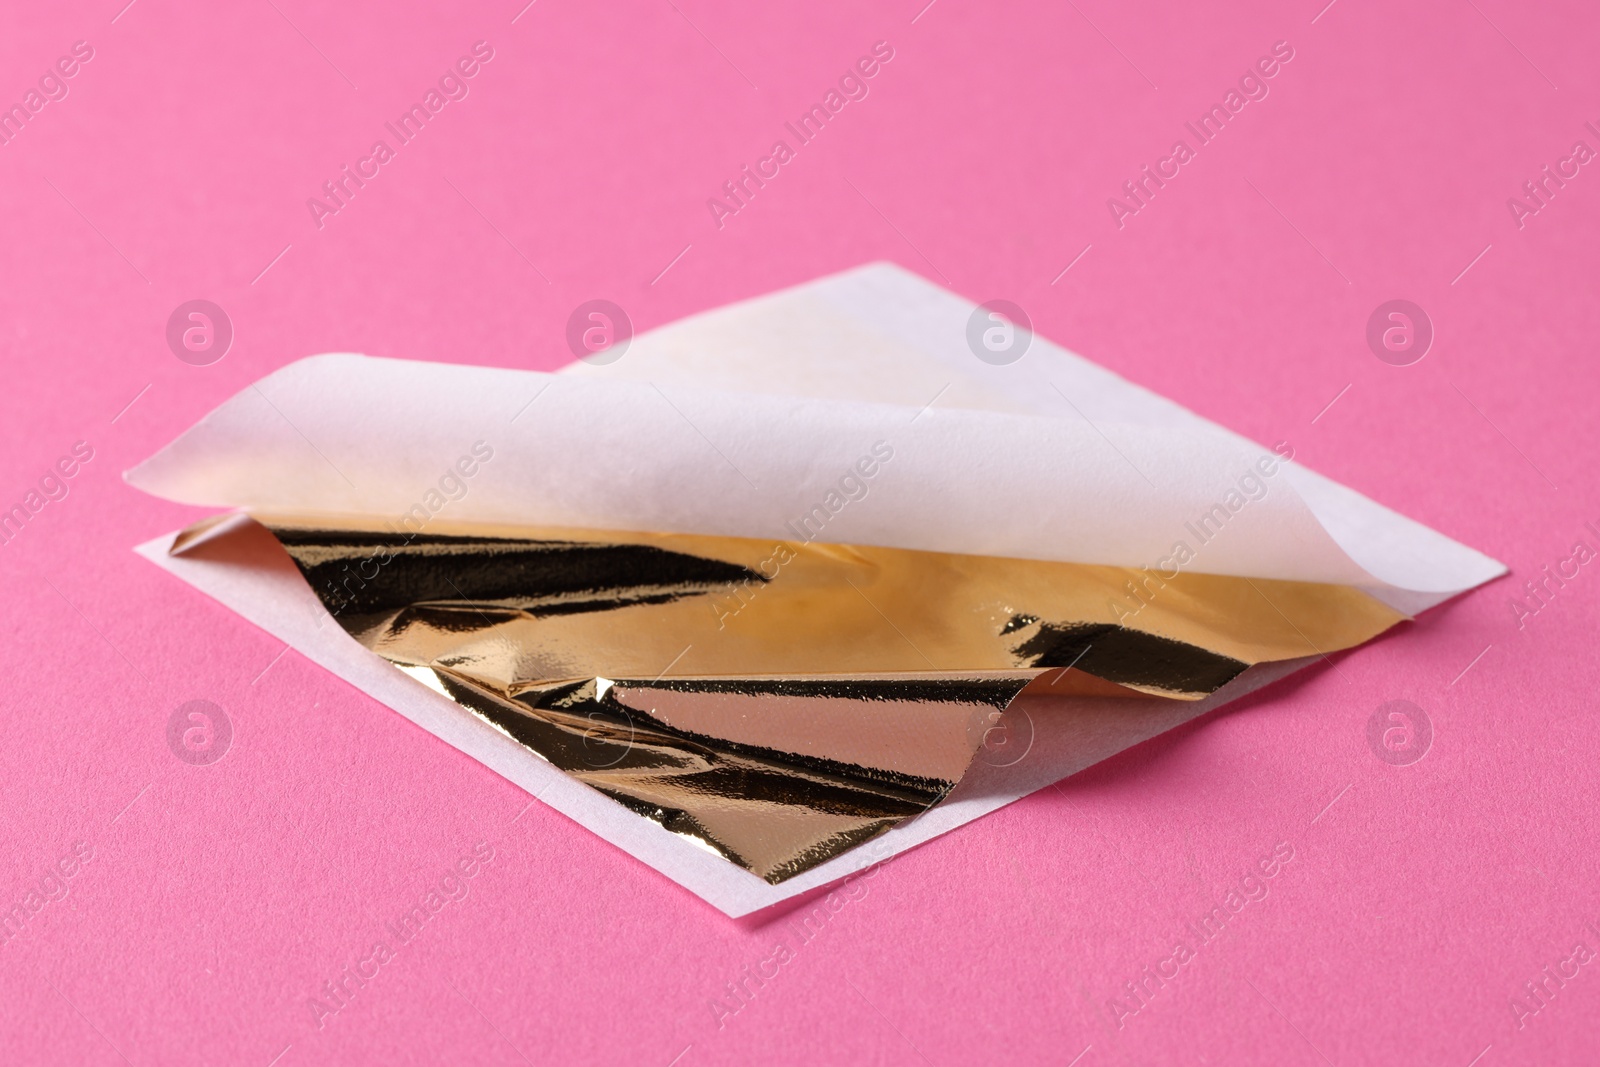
(786,587)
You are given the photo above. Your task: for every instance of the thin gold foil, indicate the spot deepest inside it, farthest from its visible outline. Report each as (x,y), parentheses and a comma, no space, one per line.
(781,702)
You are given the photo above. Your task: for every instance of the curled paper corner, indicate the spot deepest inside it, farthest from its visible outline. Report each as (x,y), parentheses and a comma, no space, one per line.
(747,424)
(195,535)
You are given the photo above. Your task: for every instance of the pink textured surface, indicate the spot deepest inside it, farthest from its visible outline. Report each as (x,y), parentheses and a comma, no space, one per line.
(218,899)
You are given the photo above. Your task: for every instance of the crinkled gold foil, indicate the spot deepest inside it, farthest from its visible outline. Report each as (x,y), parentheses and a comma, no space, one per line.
(781,702)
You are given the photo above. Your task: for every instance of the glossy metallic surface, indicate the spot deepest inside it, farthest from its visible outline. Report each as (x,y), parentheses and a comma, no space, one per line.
(781,702)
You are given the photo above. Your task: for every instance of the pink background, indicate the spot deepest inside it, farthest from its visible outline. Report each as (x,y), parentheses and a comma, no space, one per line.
(219,898)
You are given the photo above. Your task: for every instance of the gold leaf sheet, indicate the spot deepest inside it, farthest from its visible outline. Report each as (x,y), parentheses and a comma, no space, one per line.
(780,702)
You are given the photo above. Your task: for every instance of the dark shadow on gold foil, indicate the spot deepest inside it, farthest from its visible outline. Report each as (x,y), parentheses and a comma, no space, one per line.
(539,577)
(1127,657)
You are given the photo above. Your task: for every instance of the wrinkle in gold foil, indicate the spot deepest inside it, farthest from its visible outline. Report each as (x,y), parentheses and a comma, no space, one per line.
(777,702)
